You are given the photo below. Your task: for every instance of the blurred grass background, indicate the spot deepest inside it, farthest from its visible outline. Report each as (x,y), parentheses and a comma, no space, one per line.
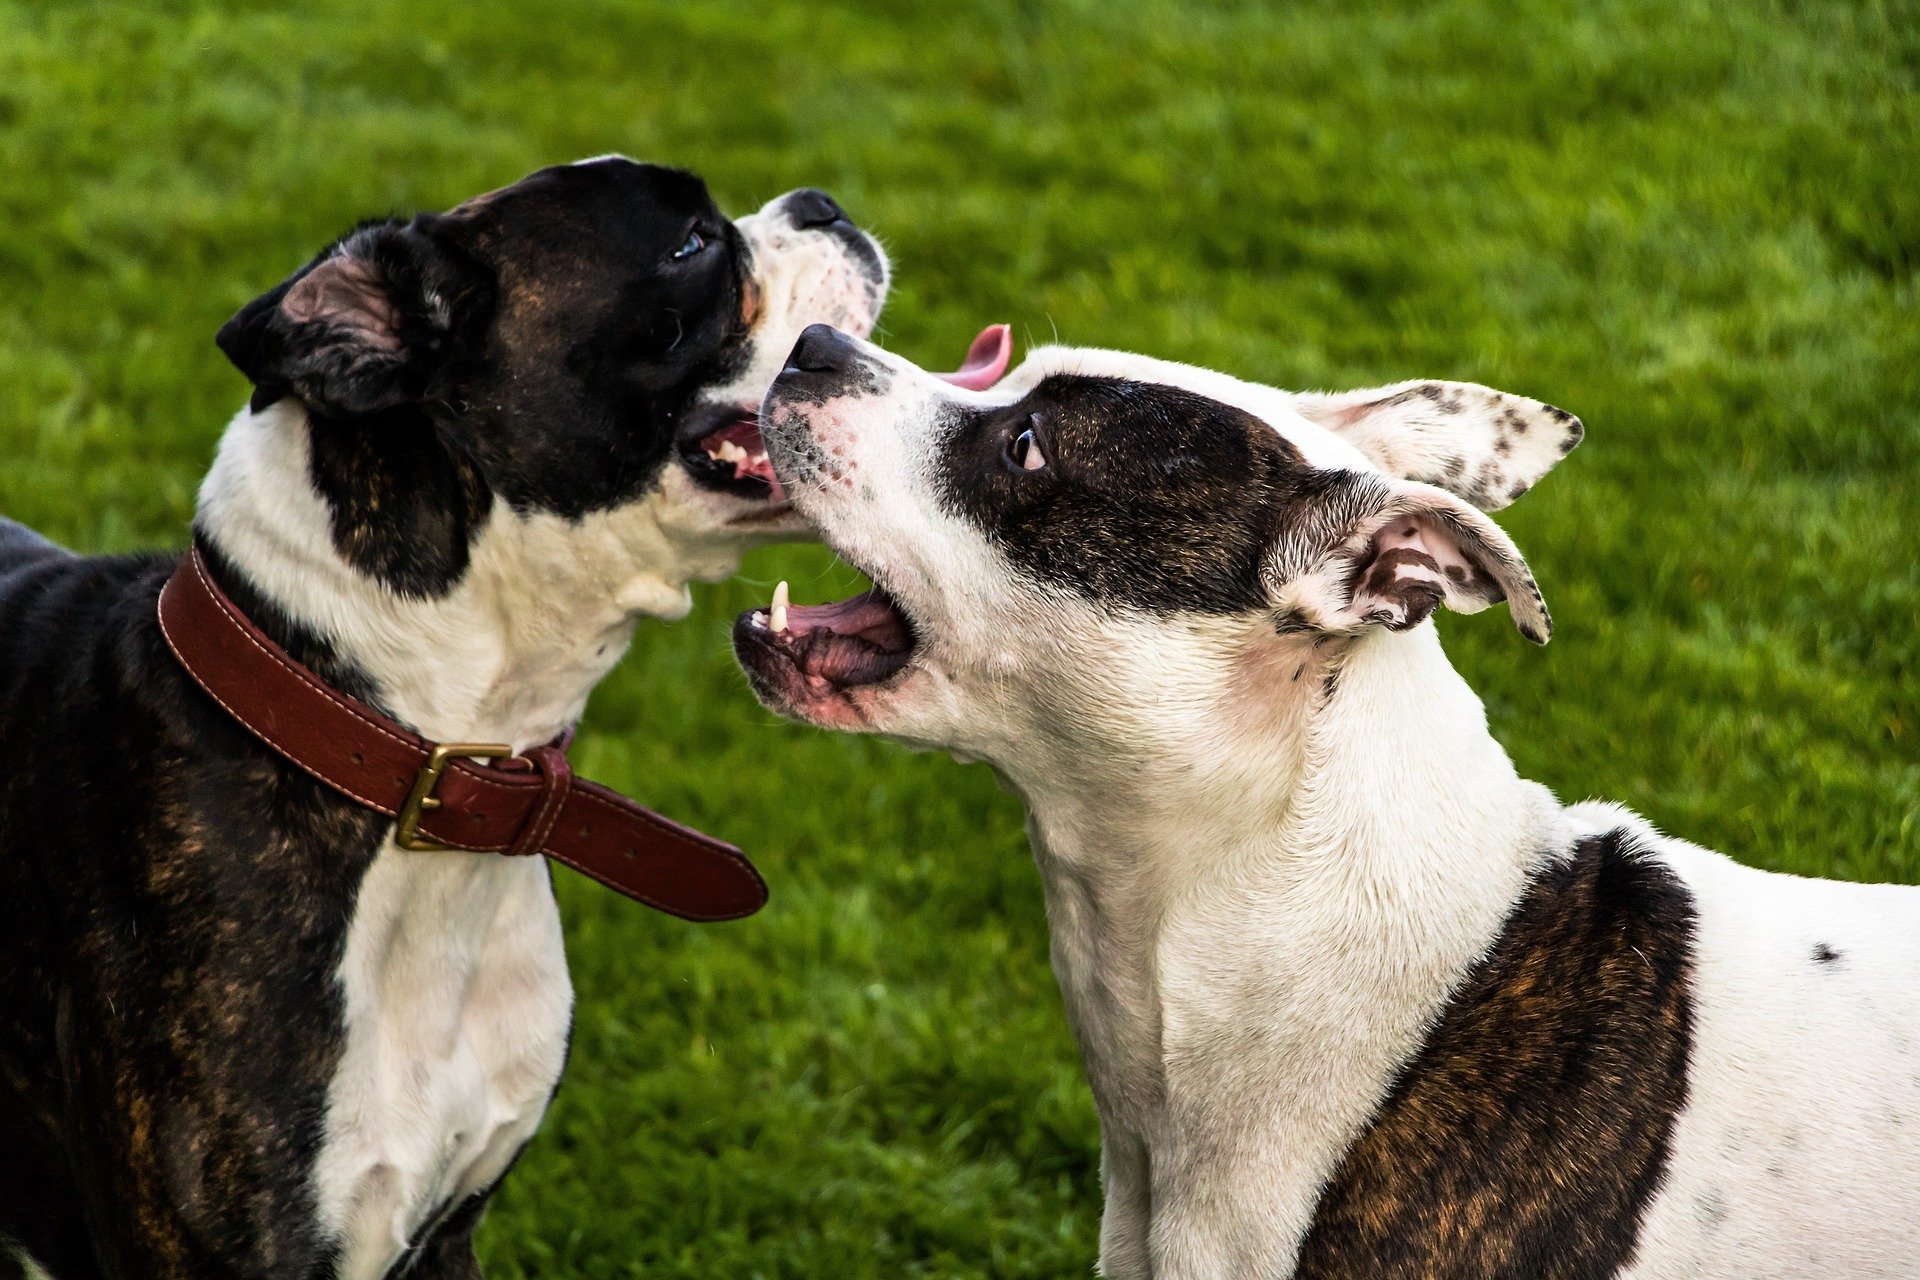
(1697,225)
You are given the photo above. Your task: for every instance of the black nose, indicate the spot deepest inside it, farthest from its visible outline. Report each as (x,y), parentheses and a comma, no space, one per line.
(822,349)
(810,208)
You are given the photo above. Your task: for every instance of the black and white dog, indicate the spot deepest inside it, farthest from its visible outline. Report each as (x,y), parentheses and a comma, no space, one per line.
(1355,999)
(241,1034)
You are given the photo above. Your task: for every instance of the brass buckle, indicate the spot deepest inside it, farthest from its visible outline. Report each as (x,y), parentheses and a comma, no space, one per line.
(406,831)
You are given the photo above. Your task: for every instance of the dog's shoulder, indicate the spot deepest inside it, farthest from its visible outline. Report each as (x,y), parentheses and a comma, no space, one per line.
(1531,1130)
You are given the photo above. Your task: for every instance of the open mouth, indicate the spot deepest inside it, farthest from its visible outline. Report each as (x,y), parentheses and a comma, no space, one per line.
(799,655)
(809,660)
(732,456)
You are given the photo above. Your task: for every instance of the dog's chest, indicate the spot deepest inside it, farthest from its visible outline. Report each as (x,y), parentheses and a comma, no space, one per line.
(457,1012)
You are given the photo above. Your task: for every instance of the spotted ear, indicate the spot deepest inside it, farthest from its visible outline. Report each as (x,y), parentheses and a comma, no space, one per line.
(363,327)
(1373,552)
(1487,446)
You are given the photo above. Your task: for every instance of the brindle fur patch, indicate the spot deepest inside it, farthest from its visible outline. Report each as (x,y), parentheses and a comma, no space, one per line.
(183,887)
(1525,1139)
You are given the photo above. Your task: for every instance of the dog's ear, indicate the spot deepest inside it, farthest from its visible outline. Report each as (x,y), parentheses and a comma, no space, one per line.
(1367,551)
(1487,446)
(363,327)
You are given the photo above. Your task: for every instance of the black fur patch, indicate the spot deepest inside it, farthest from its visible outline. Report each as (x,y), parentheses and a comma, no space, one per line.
(1153,496)
(1526,1138)
(1157,498)
(403,507)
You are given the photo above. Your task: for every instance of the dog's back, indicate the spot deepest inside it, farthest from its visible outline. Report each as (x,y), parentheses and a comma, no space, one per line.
(36,1195)
(61,616)
(56,609)
(20,545)
(1796,1150)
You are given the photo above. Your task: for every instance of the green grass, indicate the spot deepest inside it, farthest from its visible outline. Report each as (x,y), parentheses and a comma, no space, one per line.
(1696,224)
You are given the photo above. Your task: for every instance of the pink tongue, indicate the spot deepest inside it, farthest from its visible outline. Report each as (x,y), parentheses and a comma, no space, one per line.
(986,359)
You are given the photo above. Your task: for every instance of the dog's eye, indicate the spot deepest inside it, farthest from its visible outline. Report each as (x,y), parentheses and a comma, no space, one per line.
(695,242)
(1024,452)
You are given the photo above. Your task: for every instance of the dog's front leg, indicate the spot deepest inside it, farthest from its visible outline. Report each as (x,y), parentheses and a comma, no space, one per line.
(447,1253)
(1126,1184)
(1218,1217)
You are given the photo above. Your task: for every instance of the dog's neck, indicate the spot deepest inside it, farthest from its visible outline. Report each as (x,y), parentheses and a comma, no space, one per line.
(1259,910)
(510,653)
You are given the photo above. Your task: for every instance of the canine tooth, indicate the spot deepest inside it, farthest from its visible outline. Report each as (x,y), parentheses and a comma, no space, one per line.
(777,615)
(729,452)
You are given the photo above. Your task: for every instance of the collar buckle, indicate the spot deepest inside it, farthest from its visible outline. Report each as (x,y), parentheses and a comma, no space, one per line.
(406,831)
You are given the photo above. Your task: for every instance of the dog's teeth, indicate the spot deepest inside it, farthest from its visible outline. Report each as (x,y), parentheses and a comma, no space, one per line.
(757,460)
(728,452)
(777,615)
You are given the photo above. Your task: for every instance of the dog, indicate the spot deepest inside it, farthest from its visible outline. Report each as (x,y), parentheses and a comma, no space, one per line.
(1355,1000)
(242,1032)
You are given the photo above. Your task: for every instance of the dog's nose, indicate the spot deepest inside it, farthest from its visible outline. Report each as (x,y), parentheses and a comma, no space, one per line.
(808,208)
(822,349)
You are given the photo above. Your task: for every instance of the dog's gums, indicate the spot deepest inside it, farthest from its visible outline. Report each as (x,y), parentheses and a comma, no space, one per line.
(806,653)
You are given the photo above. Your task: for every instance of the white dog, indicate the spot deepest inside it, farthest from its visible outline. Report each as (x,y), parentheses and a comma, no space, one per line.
(1355,999)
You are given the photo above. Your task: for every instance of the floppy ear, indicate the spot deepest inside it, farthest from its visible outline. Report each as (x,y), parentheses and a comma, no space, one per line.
(365,326)
(1375,552)
(1487,446)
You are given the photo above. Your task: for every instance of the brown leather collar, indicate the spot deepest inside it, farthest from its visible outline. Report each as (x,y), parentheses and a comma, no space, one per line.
(441,796)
